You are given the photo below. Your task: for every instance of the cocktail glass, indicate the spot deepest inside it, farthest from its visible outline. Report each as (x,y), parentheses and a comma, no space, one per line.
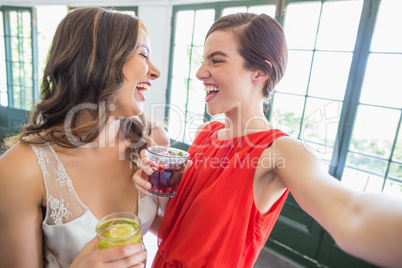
(168,164)
(118,229)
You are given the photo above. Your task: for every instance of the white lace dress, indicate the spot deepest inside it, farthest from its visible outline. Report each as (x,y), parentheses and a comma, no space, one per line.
(69,224)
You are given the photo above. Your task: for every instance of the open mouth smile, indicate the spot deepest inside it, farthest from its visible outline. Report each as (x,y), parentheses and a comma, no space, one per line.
(212,91)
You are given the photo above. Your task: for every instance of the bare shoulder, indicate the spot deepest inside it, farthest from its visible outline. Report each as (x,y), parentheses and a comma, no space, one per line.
(291,149)
(19,167)
(160,136)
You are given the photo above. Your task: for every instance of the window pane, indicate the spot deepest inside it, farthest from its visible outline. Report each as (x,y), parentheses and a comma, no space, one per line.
(21,59)
(387,37)
(196,61)
(27,76)
(184,27)
(3,75)
(232,10)
(267,9)
(181,61)
(382,81)
(48,18)
(287,113)
(374,130)
(203,20)
(194,120)
(362,181)
(339,34)
(300,25)
(397,156)
(14,25)
(329,75)
(297,73)
(25,30)
(395,171)
(367,163)
(393,188)
(321,119)
(196,96)
(26,53)
(179,92)
(176,127)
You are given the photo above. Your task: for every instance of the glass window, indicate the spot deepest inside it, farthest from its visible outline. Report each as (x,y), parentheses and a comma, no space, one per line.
(3,76)
(16,84)
(375,151)
(187,95)
(309,98)
(49,18)
(309,103)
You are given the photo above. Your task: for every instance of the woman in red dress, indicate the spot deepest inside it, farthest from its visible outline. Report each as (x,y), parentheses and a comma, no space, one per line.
(231,196)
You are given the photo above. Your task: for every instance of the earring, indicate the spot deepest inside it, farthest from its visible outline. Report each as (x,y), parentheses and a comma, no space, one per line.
(254,81)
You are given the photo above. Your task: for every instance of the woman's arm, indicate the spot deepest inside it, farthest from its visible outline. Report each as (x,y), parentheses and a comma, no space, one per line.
(368,226)
(21,192)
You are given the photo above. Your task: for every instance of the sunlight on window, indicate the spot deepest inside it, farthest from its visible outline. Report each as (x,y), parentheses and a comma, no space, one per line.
(330,80)
(300,25)
(233,10)
(387,37)
(362,181)
(184,27)
(382,81)
(339,34)
(3,78)
(49,18)
(203,20)
(267,9)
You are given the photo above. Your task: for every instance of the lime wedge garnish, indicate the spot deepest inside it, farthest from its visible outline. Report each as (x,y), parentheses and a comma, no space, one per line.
(120,231)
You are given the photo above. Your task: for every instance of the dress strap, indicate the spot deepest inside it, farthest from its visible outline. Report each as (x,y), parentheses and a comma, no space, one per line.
(62,202)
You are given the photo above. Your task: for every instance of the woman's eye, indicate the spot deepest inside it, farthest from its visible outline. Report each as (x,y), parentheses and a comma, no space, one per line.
(145,56)
(216,61)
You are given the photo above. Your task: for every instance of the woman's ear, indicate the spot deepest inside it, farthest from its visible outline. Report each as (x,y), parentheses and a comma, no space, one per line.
(259,77)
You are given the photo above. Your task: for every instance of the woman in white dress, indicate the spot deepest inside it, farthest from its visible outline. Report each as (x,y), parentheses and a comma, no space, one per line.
(73,163)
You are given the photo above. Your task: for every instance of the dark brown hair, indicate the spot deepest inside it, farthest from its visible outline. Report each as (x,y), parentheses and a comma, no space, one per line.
(260,39)
(85,66)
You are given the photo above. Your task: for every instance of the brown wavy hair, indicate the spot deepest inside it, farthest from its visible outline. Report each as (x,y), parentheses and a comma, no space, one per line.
(261,42)
(85,67)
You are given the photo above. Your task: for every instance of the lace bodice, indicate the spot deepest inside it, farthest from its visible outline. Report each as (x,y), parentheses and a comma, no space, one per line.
(69,224)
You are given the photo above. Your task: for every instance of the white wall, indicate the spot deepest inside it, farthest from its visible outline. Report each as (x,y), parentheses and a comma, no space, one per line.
(157,19)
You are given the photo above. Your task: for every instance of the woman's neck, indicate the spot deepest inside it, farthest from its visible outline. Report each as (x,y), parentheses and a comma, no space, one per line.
(244,120)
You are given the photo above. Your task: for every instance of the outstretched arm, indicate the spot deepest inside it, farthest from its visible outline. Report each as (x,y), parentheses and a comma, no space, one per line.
(368,226)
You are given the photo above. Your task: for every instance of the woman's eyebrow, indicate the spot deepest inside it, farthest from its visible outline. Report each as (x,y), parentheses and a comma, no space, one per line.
(217,53)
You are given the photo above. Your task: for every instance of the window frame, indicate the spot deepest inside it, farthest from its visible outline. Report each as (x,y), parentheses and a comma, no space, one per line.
(8,53)
(361,53)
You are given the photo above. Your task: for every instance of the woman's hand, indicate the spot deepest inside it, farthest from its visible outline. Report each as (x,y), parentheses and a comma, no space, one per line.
(141,176)
(130,255)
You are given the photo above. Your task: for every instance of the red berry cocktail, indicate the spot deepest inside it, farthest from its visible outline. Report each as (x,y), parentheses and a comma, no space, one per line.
(168,164)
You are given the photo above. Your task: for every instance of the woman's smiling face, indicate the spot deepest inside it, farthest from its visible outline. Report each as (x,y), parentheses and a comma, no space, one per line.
(226,80)
(138,75)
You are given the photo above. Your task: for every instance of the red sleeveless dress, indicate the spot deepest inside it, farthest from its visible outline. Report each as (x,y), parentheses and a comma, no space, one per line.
(212,221)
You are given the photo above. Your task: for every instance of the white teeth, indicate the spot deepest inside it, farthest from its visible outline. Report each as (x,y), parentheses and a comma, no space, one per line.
(210,88)
(143,86)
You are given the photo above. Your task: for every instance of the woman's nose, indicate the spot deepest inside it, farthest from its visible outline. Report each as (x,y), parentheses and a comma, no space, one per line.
(154,72)
(202,72)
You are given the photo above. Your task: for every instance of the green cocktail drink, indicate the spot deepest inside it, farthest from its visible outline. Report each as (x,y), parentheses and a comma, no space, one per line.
(118,229)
